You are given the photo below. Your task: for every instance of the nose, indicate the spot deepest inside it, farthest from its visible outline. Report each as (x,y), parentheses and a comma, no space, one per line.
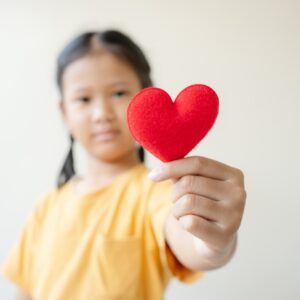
(102,111)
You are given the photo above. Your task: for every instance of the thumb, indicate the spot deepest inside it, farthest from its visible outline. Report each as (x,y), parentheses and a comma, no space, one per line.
(162,173)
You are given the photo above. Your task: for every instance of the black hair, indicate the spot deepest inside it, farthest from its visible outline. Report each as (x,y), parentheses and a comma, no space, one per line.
(115,42)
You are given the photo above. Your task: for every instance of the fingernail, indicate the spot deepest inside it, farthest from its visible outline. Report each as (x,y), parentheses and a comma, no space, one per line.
(155,174)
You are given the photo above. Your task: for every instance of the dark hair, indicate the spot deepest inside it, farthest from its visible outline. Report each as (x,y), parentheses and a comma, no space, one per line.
(115,42)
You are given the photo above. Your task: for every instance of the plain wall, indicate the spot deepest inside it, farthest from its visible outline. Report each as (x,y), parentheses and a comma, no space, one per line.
(248,51)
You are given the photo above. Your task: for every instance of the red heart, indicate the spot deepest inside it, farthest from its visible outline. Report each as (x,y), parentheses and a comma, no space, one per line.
(167,129)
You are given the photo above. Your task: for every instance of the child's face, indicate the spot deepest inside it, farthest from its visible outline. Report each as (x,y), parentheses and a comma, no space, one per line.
(97,89)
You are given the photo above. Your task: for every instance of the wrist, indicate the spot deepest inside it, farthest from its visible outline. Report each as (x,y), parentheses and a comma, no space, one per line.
(215,257)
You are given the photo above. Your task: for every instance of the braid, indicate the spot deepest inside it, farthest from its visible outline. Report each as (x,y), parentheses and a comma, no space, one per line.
(141,154)
(67,170)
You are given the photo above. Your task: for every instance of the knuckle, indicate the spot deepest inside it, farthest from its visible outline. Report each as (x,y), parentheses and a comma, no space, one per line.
(240,194)
(187,182)
(239,174)
(199,162)
(234,210)
(190,223)
(188,202)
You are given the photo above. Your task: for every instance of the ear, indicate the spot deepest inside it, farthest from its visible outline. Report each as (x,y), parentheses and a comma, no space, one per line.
(61,108)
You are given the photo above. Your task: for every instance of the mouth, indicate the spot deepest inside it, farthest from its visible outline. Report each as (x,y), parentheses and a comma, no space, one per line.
(105,136)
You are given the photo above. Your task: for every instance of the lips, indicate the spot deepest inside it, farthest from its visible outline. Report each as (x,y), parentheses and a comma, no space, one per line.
(106,135)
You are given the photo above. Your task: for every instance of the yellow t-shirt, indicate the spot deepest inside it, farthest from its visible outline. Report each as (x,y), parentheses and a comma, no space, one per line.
(107,244)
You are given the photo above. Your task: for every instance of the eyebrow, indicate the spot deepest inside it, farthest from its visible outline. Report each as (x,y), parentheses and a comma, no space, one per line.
(79,90)
(118,82)
(113,83)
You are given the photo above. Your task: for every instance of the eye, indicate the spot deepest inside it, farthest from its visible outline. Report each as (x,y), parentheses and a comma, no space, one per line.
(119,94)
(83,99)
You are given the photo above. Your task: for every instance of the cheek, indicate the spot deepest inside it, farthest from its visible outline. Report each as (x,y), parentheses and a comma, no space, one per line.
(78,124)
(121,113)
(120,110)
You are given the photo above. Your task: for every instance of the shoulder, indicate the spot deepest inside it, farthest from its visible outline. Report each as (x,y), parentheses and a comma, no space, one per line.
(45,201)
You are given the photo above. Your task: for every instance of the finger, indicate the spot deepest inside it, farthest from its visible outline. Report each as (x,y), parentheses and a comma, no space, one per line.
(205,230)
(202,186)
(195,165)
(191,204)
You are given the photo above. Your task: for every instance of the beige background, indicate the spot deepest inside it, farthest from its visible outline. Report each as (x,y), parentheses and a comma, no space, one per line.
(248,51)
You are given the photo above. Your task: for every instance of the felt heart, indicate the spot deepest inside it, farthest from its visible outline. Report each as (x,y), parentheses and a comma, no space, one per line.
(167,129)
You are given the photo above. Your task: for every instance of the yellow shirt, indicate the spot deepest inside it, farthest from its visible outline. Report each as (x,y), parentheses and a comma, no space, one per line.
(107,244)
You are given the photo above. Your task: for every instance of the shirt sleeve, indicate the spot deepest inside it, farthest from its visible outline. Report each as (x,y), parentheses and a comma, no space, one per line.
(18,266)
(159,207)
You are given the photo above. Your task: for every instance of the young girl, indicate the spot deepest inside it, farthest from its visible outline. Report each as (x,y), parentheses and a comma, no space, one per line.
(120,232)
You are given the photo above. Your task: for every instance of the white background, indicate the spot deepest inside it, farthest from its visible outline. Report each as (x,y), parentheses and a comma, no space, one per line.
(248,51)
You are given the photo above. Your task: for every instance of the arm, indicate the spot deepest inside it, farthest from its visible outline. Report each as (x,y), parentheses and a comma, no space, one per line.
(184,246)
(209,199)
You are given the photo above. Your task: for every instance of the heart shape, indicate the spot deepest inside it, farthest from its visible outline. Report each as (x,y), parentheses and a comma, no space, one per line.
(170,130)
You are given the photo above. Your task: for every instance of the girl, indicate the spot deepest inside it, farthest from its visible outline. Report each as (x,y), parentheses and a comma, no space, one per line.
(120,232)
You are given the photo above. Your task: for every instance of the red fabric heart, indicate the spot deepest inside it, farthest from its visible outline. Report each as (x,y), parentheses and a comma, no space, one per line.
(167,129)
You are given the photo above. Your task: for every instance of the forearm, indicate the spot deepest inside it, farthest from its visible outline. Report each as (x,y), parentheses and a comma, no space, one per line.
(190,251)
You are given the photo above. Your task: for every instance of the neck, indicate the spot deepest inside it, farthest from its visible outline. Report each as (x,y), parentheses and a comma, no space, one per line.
(102,172)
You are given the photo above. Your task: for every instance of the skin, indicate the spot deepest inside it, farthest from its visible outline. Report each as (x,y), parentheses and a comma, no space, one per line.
(209,199)
(97,89)
(96,92)
(209,196)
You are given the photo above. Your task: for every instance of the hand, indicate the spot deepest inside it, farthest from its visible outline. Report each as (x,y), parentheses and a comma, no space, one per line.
(209,200)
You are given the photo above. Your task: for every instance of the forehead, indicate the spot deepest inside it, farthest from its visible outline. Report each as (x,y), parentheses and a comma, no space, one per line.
(101,69)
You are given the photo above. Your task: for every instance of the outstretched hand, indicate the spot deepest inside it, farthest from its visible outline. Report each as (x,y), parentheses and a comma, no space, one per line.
(209,199)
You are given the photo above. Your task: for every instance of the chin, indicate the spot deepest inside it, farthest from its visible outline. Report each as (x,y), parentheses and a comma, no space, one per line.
(111,155)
